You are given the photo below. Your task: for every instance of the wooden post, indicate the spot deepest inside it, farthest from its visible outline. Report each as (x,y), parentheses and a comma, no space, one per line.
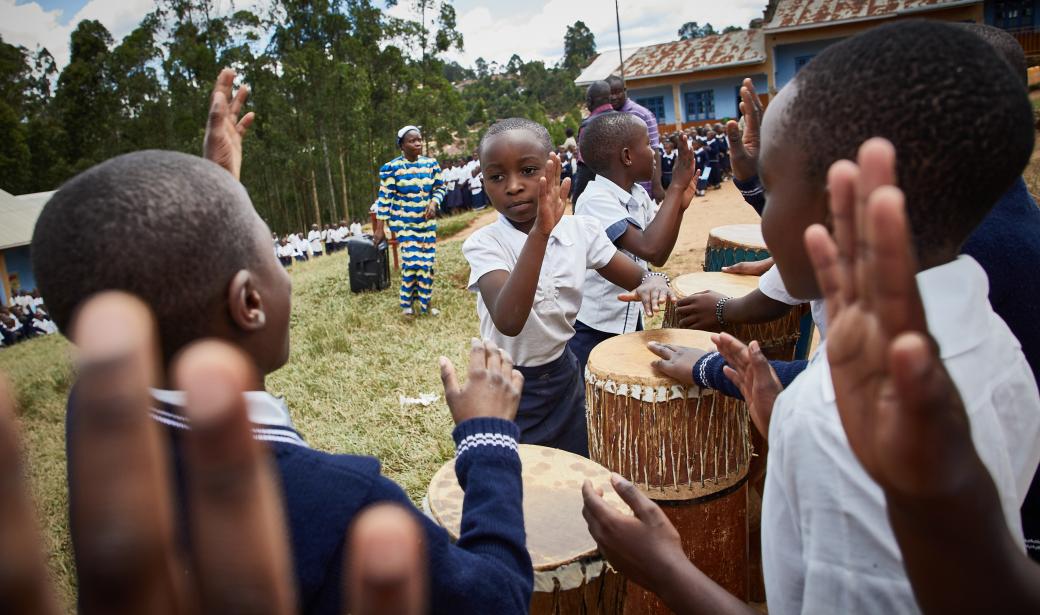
(680,112)
(4,279)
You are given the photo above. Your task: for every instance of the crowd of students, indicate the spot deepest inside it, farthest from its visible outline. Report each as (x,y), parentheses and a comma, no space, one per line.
(297,247)
(899,457)
(25,318)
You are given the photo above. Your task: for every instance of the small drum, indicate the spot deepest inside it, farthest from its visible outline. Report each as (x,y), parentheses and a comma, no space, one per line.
(686,448)
(732,244)
(778,338)
(569,574)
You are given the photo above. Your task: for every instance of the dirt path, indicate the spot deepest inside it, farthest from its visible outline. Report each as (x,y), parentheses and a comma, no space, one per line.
(716,208)
(482,220)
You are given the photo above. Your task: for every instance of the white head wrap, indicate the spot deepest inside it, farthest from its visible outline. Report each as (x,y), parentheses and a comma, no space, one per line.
(401,133)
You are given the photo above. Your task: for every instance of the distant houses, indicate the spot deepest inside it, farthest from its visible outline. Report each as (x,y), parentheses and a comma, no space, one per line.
(694,82)
(18,216)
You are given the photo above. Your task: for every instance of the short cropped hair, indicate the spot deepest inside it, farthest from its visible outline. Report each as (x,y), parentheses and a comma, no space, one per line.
(599,91)
(1006,46)
(164,226)
(940,94)
(604,136)
(518,123)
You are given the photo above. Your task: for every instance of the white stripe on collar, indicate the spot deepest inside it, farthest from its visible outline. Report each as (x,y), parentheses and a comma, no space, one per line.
(268,413)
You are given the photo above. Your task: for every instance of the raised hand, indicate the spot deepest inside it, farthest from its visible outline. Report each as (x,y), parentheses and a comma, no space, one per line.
(492,388)
(697,311)
(640,547)
(676,362)
(749,267)
(224,129)
(653,293)
(866,274)
(552,196)
(744,149)
(749,369)
(684,172)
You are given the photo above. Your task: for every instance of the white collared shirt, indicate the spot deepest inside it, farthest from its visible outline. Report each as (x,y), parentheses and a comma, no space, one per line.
(827,546)
(614,210)
(576,245)
(269,415)
(772,286)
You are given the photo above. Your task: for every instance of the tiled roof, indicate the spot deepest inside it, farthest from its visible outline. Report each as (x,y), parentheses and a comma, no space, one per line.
(730,49)
(798,14)
(18,216)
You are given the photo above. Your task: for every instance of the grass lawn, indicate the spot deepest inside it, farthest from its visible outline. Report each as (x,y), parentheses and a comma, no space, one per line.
(352,356)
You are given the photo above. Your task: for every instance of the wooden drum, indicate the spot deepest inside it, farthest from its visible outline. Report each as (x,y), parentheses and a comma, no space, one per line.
(569,574)
(732,244)
(685,448)
(778,338)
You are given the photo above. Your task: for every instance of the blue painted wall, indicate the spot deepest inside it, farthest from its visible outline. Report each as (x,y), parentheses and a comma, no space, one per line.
(19,263)
(665,92)
(785,58)
(725,93)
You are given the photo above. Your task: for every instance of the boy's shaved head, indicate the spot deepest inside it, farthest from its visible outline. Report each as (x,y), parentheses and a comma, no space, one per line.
(518,123)
(602,139)
(168,227)
(960,120)
(1005,45)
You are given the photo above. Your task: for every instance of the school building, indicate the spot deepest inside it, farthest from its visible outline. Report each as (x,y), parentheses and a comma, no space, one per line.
(694,82)
(18,216)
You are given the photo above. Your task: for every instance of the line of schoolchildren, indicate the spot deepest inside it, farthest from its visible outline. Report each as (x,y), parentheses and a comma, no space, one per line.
(25,318)
(549,287)
(464,183)
(295,247)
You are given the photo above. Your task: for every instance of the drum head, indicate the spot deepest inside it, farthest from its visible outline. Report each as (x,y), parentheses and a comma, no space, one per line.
(625,358)
(556,531)
(745,235)
(729,284)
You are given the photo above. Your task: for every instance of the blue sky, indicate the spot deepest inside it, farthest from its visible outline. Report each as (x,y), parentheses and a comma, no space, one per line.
(492,29)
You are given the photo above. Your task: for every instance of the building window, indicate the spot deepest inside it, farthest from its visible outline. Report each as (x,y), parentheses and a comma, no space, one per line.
(1013,14)
(700,105)
(655,104)
(801,61)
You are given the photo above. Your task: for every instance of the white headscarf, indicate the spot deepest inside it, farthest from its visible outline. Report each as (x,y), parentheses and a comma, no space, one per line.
(401,133)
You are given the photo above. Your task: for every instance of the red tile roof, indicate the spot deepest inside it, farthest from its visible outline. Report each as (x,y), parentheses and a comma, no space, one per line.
(709,52)
(797,14)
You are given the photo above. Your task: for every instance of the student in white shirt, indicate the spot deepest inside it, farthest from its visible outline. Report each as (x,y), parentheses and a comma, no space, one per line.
(529,269)
(314,239)
(620,155)
(43,323)
(355,229)
(827,542)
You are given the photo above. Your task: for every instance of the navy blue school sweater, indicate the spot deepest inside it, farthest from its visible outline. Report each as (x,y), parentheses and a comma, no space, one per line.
(487,571)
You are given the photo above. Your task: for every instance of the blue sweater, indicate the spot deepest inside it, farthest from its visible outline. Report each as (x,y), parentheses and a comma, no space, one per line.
(487,571)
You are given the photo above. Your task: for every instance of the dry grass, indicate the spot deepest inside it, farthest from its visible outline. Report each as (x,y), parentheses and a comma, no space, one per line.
(352,355)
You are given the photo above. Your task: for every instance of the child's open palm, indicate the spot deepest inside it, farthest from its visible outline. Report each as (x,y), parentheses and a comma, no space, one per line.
(877,325)
(224,130)
(552,196)
(684,171)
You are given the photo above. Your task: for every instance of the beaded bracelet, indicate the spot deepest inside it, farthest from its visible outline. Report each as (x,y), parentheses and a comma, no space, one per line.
(719,307)
(648,274)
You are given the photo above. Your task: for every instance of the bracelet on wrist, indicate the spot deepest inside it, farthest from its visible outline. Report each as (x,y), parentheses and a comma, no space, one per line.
(650,274)
(719,309)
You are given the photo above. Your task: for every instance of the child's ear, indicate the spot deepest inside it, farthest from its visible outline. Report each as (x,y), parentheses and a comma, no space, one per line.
(245,305)
(626,157)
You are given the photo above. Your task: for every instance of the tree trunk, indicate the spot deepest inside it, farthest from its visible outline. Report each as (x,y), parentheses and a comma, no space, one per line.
(328,175)
(314,191)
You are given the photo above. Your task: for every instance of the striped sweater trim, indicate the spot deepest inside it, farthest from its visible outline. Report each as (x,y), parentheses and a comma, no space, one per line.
(264,433)
(486,439)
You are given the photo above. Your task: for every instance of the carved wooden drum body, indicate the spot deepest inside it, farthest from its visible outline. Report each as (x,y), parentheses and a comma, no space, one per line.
(685,448)
(569,574)
(732,244)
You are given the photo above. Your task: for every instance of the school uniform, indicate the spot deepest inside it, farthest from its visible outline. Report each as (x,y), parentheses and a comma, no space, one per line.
(703,167)
(667,164)
(314,238)
(602,316)
(827,546)
(45,326)
(488,570)
(406,188)
(714,154)
(582,173)
(552,406)
(355,230)
(476,189)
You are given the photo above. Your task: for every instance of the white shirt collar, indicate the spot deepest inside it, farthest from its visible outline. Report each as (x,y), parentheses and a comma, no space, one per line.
(559,233)
(263,408)
(618,191)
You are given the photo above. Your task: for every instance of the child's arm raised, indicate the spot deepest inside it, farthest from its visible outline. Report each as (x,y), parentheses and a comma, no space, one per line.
(509,295)
(655,242)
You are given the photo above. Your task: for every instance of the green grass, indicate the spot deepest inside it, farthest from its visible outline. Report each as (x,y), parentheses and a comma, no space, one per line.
(352,356)
(446,227)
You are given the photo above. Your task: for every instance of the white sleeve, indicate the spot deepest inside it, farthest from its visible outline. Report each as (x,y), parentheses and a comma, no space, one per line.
(599,249)
(772,286)
(484,255)
(613,218)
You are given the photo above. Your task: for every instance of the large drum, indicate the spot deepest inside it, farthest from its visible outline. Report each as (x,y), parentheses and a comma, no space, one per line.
(778,338)
(732,244)
(569,574)
(686,448)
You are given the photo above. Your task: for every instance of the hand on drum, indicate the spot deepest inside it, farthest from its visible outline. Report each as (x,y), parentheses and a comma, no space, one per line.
(698,311)
(492,387)
(224,130)
(899,409)
(653,293)
(123,527)
(749,267)
(749,369)
(676,362)
(643,548)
